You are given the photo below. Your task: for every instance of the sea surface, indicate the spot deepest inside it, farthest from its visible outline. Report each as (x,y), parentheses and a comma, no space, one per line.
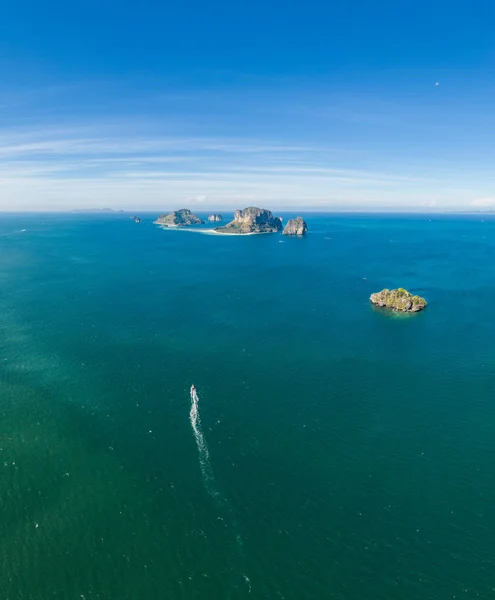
(331,451)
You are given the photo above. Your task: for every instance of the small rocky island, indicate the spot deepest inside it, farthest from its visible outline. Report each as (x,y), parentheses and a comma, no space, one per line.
(215,218)
(399,300)
(179,218)
(136,219)
(296,226)
(252,220)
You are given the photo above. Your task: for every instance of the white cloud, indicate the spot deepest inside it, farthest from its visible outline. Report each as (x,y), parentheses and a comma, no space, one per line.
(483,202)
(92,166)
(18,143)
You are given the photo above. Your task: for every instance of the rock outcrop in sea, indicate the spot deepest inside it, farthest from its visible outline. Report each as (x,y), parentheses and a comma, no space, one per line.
(136,219)
(180,218)
(252,220)
(399,300)
(215,218)
(296,226)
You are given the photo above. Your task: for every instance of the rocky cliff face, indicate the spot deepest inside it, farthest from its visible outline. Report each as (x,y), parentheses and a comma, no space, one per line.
(296,226)
(215,218)
(252,220)
(399,300)
(181,218)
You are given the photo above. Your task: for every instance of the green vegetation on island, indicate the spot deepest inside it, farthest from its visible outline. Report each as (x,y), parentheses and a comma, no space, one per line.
(179,218)
(252,220)
(399,300)
(296,226)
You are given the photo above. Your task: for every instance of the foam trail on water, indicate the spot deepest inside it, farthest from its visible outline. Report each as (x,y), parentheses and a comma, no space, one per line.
(204,455)
(12,232)
(207,473)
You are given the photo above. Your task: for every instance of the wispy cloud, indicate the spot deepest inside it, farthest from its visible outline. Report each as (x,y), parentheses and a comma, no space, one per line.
(65,167)
(59,142)
(483,202)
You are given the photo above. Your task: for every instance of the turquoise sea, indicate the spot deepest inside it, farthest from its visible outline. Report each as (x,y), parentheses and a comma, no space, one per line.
(339,452)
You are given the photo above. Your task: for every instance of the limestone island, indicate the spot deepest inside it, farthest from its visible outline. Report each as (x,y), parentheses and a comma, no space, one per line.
(399,300)
(296,226)
(251,220)
(179,218)
(215,218)
(136,219)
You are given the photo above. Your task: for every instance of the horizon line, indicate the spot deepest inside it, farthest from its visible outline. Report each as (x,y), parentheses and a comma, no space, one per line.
(378,210)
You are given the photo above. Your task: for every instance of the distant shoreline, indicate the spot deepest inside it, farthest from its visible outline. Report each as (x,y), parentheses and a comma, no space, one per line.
(209,231)
(241,234)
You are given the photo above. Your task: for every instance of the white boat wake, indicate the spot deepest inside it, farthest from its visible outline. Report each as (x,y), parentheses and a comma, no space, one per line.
(204,455)
(208,476)
(12,232)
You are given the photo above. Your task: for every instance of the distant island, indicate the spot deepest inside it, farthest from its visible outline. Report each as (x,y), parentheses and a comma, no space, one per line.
(296,226)
(399,300)
(252,220)
(179,218)
(248,221)
(135,219)
(93,210)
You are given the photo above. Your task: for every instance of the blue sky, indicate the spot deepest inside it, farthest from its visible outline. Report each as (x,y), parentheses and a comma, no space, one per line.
(315,105)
